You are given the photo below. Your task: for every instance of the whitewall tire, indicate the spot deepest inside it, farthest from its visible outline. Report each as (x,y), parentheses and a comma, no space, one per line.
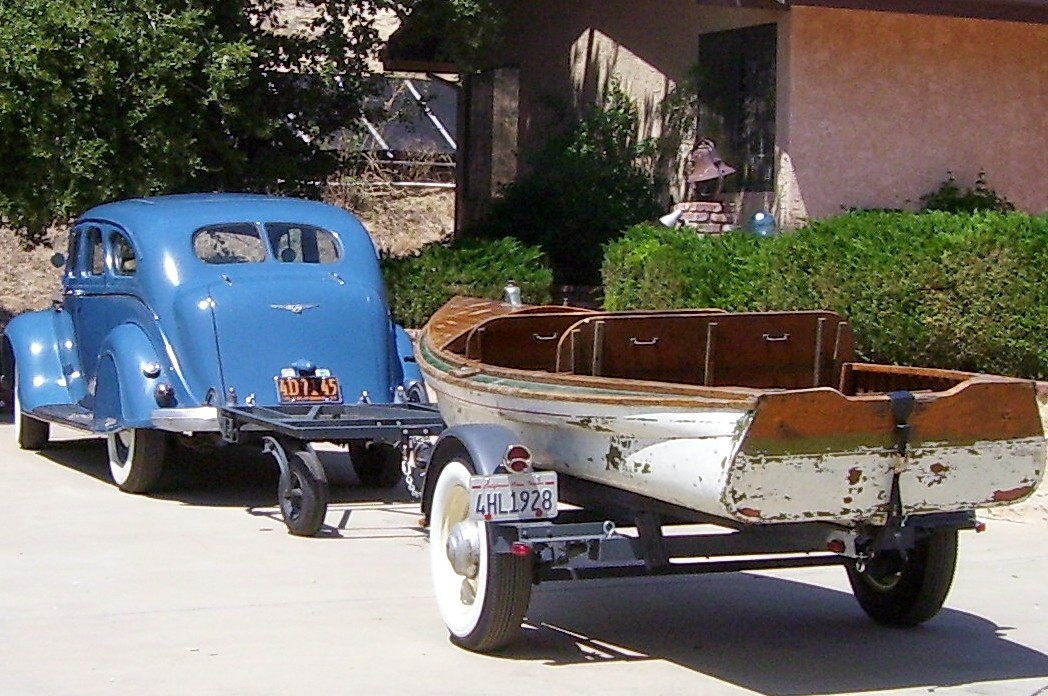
(136,458)
(482,596)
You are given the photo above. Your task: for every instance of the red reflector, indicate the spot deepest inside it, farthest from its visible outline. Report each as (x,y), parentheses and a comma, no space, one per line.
(835,545)
(980,527)
(518,459)
(519,548)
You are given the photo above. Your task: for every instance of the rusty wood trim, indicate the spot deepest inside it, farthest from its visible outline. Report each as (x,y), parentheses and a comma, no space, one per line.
(598,348)
(820,327)
(475,344)
(568,343)
(711,335)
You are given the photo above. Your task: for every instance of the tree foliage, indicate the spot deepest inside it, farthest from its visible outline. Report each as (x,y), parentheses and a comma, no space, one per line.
(132,97)
(584,188)
(461,32)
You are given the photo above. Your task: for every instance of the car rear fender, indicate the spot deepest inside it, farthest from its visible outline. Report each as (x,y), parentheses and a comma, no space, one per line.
(129,371)
(45,357)
(409,371)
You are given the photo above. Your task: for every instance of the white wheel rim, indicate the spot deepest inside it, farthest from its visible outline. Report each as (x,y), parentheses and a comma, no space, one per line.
(451,506)
(121,446)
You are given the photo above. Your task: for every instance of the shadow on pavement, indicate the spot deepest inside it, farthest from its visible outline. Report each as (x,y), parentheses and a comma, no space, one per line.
(227,477)
(764,633)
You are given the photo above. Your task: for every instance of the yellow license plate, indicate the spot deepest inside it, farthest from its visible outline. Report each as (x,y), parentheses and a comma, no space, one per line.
(310,389)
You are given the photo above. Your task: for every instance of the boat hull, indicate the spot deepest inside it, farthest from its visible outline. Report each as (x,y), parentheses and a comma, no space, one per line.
(759,418)
(728,459)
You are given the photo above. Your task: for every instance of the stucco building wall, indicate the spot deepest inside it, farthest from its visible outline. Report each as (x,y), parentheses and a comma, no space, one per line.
(872,108)
(875,107)
(567,53)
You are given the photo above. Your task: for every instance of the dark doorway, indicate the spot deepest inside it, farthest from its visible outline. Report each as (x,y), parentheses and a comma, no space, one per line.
(737,101)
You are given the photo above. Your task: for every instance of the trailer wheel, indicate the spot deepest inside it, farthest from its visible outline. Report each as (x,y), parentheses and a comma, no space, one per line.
(136,458)
(482,595)
(303,493)
(30,433)
(377,464)
(907,593)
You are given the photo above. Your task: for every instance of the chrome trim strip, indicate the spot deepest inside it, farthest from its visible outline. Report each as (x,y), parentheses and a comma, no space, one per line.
(186,420)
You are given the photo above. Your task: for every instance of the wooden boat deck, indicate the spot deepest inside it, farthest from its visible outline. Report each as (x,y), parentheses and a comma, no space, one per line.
(702,348)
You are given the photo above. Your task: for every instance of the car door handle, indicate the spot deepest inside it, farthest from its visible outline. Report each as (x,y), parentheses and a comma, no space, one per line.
(75,293)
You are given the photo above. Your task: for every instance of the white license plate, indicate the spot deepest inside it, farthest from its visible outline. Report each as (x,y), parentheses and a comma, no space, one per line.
(502,497)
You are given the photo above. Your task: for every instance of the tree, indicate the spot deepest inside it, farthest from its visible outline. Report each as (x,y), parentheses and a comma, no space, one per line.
(461,32)
(100,101)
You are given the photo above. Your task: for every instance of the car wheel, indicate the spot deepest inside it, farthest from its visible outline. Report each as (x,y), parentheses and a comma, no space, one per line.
(7,363)
(303,493)
(377,464)
(897,592)
(136,458)
(30,433)
(482,595)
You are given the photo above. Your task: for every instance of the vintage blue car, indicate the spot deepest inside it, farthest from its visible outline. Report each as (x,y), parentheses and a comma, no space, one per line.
(177,308)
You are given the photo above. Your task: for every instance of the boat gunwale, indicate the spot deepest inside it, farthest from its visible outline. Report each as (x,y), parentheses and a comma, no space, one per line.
(622,390)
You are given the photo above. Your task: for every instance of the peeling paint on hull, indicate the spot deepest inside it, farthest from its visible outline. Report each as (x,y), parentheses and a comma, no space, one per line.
(764,456)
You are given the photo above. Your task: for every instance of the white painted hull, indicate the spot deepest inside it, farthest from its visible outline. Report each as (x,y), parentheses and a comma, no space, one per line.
(779,453)
(695,457)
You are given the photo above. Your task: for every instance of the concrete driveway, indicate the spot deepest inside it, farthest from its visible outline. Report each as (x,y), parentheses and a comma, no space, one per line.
(201,591)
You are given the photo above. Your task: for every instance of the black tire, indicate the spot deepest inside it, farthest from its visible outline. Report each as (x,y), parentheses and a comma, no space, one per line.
(303,493)
(482,612)
(31,434)
(377,464)
(136,458)
(906,594)
(7,374)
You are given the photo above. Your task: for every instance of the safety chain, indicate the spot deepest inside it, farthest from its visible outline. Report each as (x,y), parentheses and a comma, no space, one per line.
(408,465)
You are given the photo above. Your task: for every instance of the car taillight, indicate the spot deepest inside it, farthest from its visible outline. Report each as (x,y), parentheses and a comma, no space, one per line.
(164,394)
(517,459)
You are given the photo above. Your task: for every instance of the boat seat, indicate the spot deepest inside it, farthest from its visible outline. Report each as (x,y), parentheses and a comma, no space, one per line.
(529,340)
(787,350)
(519,341)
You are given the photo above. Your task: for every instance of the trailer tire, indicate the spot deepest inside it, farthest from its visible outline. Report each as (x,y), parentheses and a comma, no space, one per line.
(377,464)
(136,458)
(915,590)
(303,493)
(482,608)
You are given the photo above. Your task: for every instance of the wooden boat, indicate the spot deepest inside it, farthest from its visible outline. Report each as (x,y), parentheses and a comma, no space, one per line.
(757,417)
(763,424)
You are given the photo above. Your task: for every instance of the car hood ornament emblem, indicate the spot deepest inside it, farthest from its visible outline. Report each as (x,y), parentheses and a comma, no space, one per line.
(294,308)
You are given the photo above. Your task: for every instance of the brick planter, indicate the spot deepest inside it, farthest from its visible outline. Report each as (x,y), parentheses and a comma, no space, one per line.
(707,217)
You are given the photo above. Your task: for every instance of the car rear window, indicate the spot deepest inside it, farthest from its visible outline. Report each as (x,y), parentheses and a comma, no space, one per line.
(224,244)
(296,243)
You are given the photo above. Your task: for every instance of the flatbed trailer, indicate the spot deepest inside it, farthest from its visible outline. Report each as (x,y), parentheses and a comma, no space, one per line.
(394,432)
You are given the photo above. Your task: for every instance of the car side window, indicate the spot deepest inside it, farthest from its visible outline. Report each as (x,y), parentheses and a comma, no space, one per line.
(97,252)
(124,261)
(226,244)
(294,243)
(73,253)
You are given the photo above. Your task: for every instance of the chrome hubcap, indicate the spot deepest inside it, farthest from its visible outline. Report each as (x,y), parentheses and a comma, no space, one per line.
(463,548)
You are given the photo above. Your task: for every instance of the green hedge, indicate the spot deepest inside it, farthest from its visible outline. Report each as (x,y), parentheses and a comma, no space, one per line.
(419,285)
(938,289)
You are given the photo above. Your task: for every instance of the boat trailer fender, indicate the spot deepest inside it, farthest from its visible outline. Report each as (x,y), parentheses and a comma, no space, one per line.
(485,444)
